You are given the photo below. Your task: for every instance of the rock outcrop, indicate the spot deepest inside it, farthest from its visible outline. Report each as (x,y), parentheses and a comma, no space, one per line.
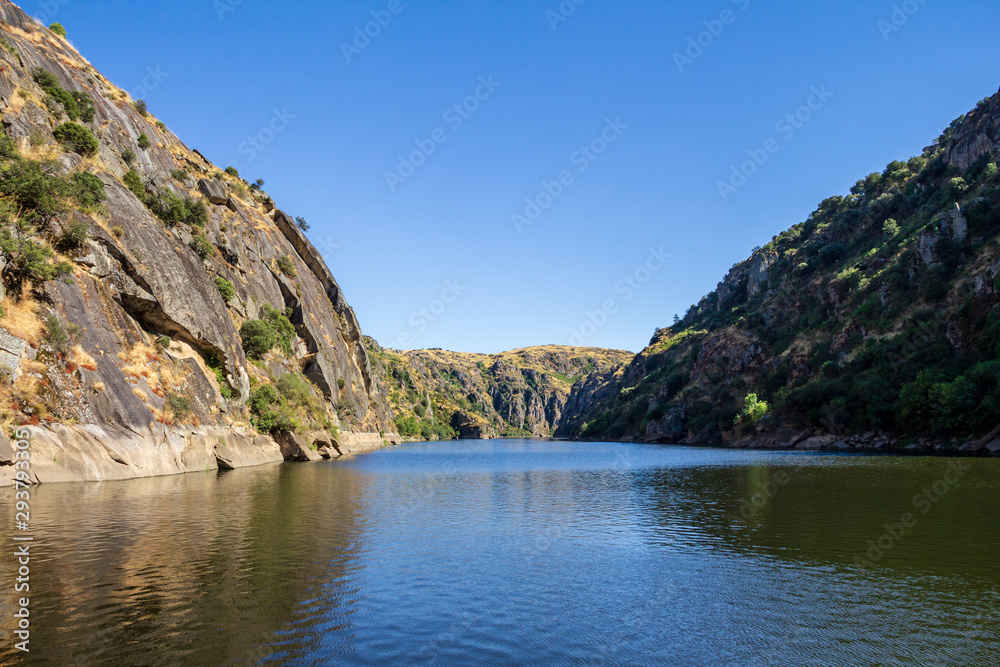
(145,295)
(872,325)
(527,392)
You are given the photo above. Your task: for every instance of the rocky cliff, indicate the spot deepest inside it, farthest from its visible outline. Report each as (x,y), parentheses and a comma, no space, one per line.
(534,391)
(132,267)
(874,323)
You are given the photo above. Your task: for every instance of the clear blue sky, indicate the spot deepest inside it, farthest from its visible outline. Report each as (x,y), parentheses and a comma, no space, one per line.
(656,185)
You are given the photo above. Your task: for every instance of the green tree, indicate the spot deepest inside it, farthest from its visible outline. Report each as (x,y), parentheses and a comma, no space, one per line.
(754,409)
(77,138)
(258,338)
(58,29)
(144,141)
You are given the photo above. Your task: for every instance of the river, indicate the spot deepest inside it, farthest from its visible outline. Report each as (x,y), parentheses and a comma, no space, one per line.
(518,552)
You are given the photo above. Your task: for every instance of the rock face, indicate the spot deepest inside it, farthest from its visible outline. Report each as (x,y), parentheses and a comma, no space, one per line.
(976,136)
(872,324)
(61,453)
(441,394)
(138,280)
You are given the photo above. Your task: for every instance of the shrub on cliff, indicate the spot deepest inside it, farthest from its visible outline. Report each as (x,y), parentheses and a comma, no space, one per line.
(202,247)
(232,172)
(141,107)
(286,266)
(26,260)
(144,141)
(226,288)
(77,138)
(87,189)
(268,413)
(258,338)
(58,29)
(73,236)
(133,182)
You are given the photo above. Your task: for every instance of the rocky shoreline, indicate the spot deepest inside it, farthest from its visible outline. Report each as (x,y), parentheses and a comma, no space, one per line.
(871,442)
(91,453)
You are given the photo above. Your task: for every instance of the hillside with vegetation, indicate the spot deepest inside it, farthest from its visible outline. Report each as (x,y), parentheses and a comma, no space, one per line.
(875,322)
(150,296)
(436,394)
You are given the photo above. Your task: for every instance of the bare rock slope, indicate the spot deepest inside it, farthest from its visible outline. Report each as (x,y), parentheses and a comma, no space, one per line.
(148,319)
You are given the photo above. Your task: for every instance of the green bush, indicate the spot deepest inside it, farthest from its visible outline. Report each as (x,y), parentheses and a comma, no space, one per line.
(26,261)
(87,189)
(133,182)
(990,173)
(117,232)
(58,29)
(34,190)
(144,141)
(128,156)
(77,138)
(161,126)
(179,175)
(273,329)
(174,210)
(268,413)
(76,105)
(59,336)
(73,236)
(754,409)
(295,389)
(226,288)
(258,338)
(890,228)
(202,247)
(301,222)
(232,172)
(286,266)
(141,107)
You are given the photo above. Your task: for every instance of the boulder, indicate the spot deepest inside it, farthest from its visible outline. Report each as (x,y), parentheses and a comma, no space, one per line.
(215,191)
(11,349)
(993,446)
(238,450)
(324,444)
(816,442)
(296,448)
(788,437)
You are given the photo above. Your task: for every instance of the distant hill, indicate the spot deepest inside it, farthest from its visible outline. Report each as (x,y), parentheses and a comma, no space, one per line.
(527,392)
(875,320)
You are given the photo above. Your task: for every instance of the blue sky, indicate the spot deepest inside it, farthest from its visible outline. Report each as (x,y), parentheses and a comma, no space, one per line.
(639,137)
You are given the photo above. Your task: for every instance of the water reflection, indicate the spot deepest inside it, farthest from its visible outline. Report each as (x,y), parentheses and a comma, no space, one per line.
(520,552)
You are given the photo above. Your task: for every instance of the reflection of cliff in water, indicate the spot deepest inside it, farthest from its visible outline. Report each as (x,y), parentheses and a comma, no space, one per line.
(203,568)
(825,509)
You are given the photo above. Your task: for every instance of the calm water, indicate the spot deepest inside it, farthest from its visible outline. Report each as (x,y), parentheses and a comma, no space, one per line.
(514,552)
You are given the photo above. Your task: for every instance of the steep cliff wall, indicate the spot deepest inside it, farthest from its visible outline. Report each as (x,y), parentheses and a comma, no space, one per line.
(873,324)
(151,336)
(529,392)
